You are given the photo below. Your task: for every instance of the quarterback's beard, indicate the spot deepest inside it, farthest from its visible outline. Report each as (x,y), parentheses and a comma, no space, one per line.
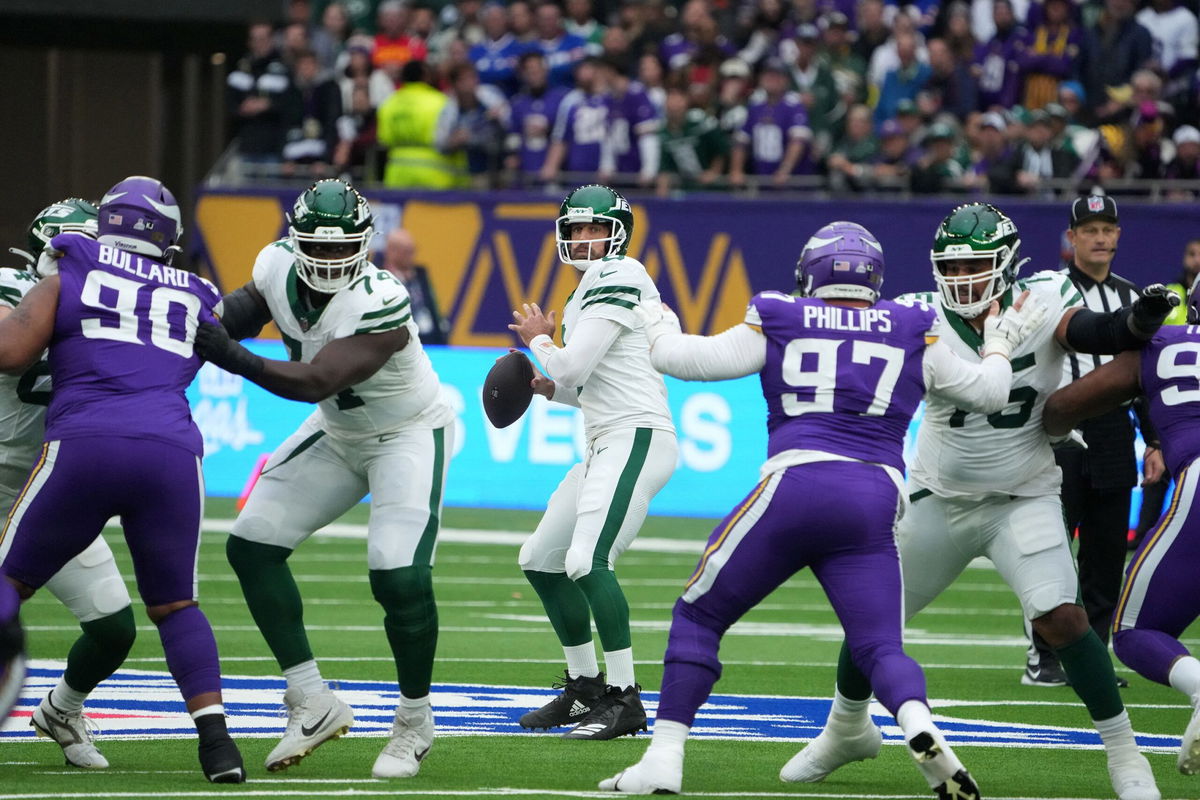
(583,251)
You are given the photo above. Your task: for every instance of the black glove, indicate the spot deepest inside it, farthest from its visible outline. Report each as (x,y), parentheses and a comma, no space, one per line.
(1151,308)
(214,345)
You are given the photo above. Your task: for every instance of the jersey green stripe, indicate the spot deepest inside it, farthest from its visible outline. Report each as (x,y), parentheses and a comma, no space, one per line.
(10,294)
(390,325)
(1066,287)
(424,553)
(619,507)
(1023,362)
(611,301)
(613,290)
(300,448)
(386,311)
(1075,300)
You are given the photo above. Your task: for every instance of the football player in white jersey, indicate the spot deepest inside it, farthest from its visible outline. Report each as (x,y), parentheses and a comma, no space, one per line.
(986,485)
(592,517)
(90,586)
(383,425)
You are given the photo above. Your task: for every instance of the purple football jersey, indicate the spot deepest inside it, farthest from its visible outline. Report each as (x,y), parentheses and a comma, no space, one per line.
(582,123)
(631,116)
(768,129)
(1171,379)
(841,380)
(531,121)
(121,355)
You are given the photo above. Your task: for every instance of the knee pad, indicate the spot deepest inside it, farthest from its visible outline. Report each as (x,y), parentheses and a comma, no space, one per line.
(577,563)
(109,596)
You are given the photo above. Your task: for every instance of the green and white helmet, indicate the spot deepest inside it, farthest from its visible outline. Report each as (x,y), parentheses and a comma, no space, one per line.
(65,216)
(975,231)
(594,203)
(331,230)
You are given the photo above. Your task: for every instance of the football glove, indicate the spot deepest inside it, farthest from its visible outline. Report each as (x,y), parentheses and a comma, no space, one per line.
(1069,441)
(658,320)
(214,345)
(1003,333)
(1151,309)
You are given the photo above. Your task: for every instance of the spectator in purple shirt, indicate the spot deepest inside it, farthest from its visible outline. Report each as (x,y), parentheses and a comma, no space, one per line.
(775,139)
(534,110)
(996,63)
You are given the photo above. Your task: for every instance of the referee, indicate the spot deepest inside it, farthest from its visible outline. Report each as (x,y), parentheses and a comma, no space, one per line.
(1097,482)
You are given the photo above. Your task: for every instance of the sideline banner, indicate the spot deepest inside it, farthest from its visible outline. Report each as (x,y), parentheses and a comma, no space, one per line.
(489,252)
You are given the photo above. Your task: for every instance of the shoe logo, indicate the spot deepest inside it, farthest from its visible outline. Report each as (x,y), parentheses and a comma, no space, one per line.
(57,730)
(309,730)
(578,708)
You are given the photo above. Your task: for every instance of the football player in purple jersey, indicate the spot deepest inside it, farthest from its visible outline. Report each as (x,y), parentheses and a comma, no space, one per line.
(842,373)
(120,323)
(1160,597)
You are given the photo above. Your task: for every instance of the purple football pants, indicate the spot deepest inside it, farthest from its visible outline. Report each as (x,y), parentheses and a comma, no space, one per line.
(77,485)
(836,518)
(1161,594)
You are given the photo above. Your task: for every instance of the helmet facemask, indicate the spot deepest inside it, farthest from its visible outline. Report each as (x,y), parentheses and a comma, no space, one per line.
(995,266)
(329,273)
(599,248)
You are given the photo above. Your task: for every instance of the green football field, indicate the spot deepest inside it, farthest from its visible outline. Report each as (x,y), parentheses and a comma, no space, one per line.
(494,635)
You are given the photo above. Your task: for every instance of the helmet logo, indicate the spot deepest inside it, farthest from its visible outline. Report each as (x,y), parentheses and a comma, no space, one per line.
(579,214)
(115,219)
(844,266)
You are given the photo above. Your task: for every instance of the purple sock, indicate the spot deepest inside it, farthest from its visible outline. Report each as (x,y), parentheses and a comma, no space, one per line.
(191,652)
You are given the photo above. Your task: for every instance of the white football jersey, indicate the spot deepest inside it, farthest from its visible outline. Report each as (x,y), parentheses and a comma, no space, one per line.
(404,393)
(23,399)
(624,390)
(963,454)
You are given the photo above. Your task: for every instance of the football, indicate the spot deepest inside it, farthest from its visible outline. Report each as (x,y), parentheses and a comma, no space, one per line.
(506,389)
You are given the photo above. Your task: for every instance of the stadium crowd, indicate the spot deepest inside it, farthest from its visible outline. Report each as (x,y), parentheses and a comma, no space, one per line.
(1016,97)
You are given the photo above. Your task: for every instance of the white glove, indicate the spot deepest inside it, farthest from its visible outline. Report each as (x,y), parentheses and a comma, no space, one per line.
(658,320)
(1004,333)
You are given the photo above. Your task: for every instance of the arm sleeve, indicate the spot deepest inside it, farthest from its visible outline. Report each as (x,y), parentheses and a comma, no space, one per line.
(739,351)
(1103,333)
(565,395)
(981,388)
(570,366)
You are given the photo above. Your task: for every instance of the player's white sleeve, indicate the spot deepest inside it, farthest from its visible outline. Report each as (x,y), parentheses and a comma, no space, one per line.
(739,351)
(981,388)
(570,366)
(566,395)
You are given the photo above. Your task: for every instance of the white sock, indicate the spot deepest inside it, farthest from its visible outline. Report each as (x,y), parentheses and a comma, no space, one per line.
(215,708)
(1184,676)
(668,737)
(848,713)
(66,699)
(1116,733)
(913,717)
(306,677)
(619,666)
(409,703)
(581,660)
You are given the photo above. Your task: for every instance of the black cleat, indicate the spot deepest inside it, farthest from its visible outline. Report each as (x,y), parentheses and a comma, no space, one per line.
(579,697)
(618,713)
(221,760)
(1046,673)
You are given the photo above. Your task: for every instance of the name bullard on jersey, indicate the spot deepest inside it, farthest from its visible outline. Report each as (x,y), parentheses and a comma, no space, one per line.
(142,267)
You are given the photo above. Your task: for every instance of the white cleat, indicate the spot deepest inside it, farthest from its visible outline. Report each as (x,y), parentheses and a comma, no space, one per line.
(829,751)
(1189,753)
(1132,778)
(412,736)
(73,732)
(656,773)
(312,720)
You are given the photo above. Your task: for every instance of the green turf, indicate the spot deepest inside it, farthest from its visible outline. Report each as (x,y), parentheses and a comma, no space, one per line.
(477,583)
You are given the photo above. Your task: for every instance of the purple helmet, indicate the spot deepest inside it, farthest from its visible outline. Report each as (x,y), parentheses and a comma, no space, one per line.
(140,214)
(842,260)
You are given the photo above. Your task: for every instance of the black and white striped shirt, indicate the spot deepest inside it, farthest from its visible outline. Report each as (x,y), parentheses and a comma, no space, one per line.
(1113,293)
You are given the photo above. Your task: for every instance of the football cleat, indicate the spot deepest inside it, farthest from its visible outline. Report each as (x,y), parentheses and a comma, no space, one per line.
(221,760)
(312,720)
(828,751)
(412,738)
(1046,672)
(658,772)
(1189,751)
(617,713)
(942,770)
(73,732)
(579,696)
(1132,778)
